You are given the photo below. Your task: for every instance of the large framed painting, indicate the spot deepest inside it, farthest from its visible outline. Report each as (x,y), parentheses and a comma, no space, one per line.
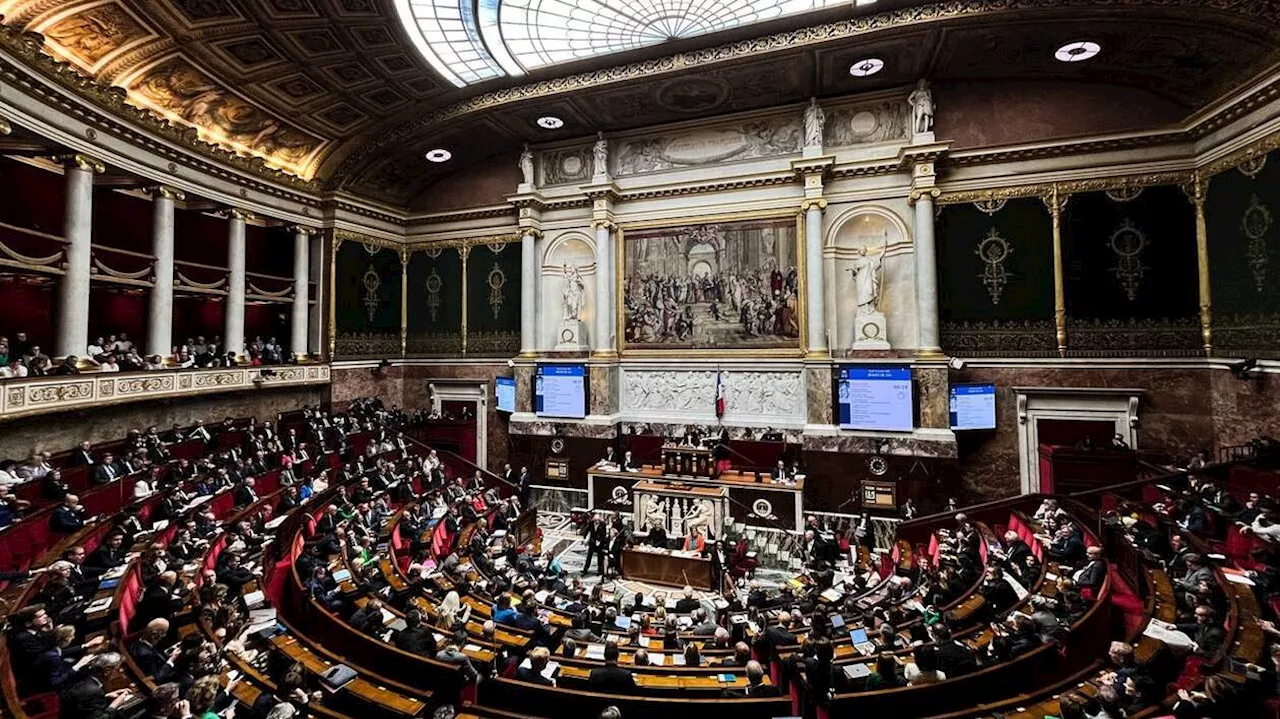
(715,286)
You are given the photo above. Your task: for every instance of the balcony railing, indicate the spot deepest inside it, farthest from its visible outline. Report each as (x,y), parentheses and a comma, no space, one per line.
(39,395)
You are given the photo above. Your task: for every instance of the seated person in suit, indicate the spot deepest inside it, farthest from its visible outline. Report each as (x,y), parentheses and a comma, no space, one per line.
(148,653)
(86,697)
(452,654)
(109,555)
(538,659)
(756,685)
(611,677)
(1206,631)
(1093,573)
(687,603)
(68,517)
(414,638)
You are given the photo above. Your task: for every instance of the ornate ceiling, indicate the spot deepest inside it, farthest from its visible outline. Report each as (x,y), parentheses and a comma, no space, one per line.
(333,90)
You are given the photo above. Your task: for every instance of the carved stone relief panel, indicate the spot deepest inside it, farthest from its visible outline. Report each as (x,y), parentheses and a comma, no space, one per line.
(752,139)
(751,397)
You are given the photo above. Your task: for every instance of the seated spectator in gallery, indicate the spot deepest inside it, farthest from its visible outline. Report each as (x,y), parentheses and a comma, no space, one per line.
(66,367)
(109,364)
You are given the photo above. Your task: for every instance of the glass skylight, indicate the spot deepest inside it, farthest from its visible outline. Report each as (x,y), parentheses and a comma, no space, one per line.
(468,41)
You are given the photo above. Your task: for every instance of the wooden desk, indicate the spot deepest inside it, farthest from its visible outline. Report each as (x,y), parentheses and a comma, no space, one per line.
(765,504)
(666,568)
(688,461)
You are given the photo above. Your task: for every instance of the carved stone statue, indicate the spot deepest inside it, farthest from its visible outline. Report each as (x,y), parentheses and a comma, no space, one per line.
(600,154)
(868,321)
(867,273)
(573,293)
(526,166)
(814,121)
(921,102)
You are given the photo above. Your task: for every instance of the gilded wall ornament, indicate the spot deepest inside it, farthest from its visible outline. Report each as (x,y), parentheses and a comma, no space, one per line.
(371,282)
(991,205)
(1127,244)
(1124,194)
(434,285)
(497,280)
(1251,167)
(1255,223)
(993,251)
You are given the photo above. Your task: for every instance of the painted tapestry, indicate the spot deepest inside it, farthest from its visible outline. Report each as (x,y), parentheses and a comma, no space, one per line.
(732,285)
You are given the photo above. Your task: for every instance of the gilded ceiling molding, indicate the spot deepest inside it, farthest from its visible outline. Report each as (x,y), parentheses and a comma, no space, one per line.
(484,213)
(28,48)
(742,184)
(1256,10)
(1046,189)
(502,239)
(1245,154)
(340,236)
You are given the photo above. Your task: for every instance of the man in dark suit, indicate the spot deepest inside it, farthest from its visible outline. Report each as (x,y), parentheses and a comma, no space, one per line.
(107,471)
(756,686)
(413,638)
(954,658)
(538,659)
(148,654)
(109,555)
(687,603)
(82,456)
(1066,546)
(243,495)
(777,635)
(161,600)
(68,517)
(996,591)
(1093,573)
(87,697)
(597,544)
(1015,550)
(1206,631)
(611,677)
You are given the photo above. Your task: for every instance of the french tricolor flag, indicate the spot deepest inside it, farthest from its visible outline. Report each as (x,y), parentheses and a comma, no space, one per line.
(719,394)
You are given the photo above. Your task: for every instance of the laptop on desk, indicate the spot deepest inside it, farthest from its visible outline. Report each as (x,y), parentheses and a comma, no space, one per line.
(861,643)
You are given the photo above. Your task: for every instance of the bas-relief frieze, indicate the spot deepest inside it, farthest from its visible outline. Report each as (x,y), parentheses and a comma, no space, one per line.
(566,165)
(749,396)
(866,124)
(766,137)
(857,444)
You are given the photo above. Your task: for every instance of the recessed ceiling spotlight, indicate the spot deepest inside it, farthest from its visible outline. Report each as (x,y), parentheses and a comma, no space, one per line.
(550,122)
(1077,51)
(864,68)
(439,155)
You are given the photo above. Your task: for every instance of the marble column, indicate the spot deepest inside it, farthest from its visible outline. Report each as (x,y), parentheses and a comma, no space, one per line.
(233,322)
(926,276)
(301,278)
(73,290)
(813,277)
(528,293)
(603,341)
(315,338)
(160,309)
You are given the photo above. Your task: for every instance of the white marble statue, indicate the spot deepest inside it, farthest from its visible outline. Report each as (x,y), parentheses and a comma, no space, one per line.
(600,154)
(526,166)
(573,293)
(867,272)
(921,102)
(702,515)
(814,120)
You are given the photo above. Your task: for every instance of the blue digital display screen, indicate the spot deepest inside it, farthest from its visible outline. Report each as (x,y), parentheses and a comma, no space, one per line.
(875,398)
(505,392)
(972,406)
(559,390)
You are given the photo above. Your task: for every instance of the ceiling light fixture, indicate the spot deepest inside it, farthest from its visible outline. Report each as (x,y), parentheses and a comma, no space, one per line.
(1077,51)
(867,67)
(439,155)
(550,122)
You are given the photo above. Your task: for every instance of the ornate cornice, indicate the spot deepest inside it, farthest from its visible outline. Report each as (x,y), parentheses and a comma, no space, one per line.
(362,211)
(738,184)
(467,242)
(340,236)
(1239,157)
(1045,189)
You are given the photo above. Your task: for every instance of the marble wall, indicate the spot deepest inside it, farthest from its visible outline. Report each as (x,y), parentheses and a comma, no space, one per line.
(64,430)
(1244,409)
(417,395)
(1177,414)
(351,383)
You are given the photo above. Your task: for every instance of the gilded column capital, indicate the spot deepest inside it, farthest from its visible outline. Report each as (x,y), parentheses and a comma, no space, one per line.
(919,192)
(235,213)
(1197,190)
(83,162)
(5,127)
(168,193)
(818,202)
(531,232)
(303,230)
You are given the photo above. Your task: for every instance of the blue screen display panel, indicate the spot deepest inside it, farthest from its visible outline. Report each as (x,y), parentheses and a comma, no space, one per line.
(875,398)
(505,389)
(972,406)
(559,390)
